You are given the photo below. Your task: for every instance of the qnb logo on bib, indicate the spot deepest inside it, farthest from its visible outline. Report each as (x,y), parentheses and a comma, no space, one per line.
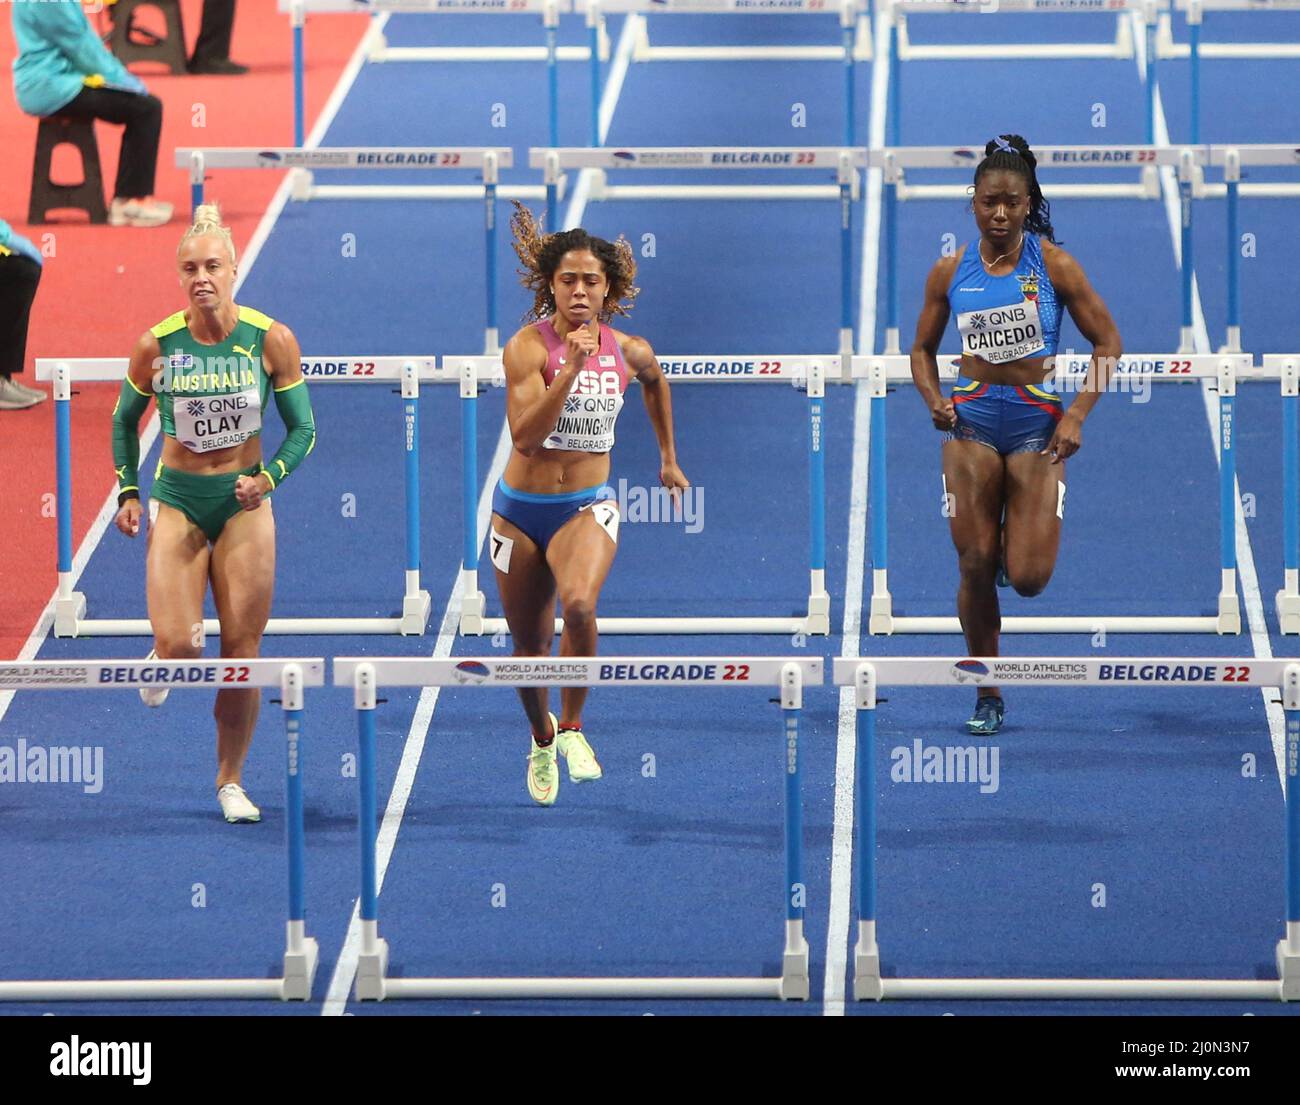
(208,422)
(1002,334)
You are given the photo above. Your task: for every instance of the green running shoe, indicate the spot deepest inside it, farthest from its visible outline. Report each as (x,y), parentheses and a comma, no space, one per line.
(543,772)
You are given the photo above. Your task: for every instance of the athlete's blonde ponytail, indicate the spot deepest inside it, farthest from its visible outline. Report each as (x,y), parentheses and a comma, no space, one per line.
(207,220)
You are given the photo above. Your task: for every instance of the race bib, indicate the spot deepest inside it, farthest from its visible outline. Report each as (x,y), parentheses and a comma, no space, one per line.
(208,422)
(590,412)
(1002,334)
(606,514)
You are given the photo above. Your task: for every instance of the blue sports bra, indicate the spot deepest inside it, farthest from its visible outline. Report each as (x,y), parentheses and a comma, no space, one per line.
(1005,318)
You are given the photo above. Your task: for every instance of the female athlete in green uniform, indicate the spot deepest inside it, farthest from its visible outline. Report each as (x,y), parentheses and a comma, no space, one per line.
(212,368)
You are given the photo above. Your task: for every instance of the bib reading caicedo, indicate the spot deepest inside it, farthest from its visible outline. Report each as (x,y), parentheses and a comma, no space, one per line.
(1003,319)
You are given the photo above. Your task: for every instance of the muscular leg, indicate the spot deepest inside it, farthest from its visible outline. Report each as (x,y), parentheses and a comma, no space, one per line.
(974,474)
(176,578)
(243,577)
(580,555)
(528,597)
(1033,527)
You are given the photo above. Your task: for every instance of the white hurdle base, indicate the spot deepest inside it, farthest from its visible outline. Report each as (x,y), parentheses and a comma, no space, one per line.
(1288,612)
(600,988)
(882,624)
(1075,989)
(155,989)
(788,626)
(140,627)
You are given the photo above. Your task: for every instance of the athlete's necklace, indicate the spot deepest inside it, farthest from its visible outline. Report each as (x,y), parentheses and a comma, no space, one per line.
(990,264)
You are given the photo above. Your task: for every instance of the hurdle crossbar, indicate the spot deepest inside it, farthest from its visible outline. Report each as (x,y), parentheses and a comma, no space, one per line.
(809,374)
(486,160)
(70,606)
(367,675)
(1227,370)
(291,676)
(866,676)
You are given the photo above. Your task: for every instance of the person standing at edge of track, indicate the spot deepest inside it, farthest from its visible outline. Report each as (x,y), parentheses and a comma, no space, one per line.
(1006,433)
(212,368)
(554,521)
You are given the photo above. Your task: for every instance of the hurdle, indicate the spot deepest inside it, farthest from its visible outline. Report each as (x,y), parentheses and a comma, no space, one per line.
(1227,370)
(366,676)
(291,676)
(893,161)
(855,39)
(1231,159)
(488,160)
(808,374)
(377,49)
(70,606)
(1287,600)
(1123,46)
(1194,49)
(845,161)
(1143,671)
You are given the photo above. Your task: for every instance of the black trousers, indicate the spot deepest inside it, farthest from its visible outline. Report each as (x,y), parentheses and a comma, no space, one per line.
(213,43)
(19,276)
(142,116)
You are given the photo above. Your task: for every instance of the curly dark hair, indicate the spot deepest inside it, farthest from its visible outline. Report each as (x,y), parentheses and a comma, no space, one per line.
(1009,153)
(541,254)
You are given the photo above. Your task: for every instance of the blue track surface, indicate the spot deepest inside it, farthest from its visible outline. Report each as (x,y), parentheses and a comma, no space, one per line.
(680,872)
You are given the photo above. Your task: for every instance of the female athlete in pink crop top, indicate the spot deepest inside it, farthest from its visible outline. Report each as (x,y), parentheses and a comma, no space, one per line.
(554,521)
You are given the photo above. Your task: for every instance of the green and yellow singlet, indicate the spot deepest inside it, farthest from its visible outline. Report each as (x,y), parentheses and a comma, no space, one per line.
(212,396)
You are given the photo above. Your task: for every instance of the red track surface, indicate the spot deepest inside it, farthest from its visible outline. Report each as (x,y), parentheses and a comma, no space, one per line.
(104,286)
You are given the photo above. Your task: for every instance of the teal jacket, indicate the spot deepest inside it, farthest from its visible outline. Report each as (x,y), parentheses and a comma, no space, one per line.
(57,50)
(11,243)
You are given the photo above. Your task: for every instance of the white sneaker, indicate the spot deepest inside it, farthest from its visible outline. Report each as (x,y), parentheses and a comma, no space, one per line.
(15,397)
(573,746)
(154,696)
(235,806)
(139,213)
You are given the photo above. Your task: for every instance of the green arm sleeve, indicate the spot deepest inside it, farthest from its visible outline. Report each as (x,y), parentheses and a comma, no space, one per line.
(294,406)
(131,405)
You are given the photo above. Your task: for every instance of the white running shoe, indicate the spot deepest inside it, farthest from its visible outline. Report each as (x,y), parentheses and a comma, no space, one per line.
(144,212)
(15,397)
(154,696)
(235,806)
(573,746)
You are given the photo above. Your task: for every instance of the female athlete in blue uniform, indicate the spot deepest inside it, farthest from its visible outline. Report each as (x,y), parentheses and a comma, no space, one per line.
(554,521)
(1007,435)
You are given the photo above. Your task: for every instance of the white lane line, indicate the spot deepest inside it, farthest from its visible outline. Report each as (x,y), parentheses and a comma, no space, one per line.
(345,968)
(837,931)
(108,511)
(1246,572)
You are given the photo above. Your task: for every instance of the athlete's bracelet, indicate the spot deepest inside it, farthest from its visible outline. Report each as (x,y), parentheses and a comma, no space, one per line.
(123,496)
